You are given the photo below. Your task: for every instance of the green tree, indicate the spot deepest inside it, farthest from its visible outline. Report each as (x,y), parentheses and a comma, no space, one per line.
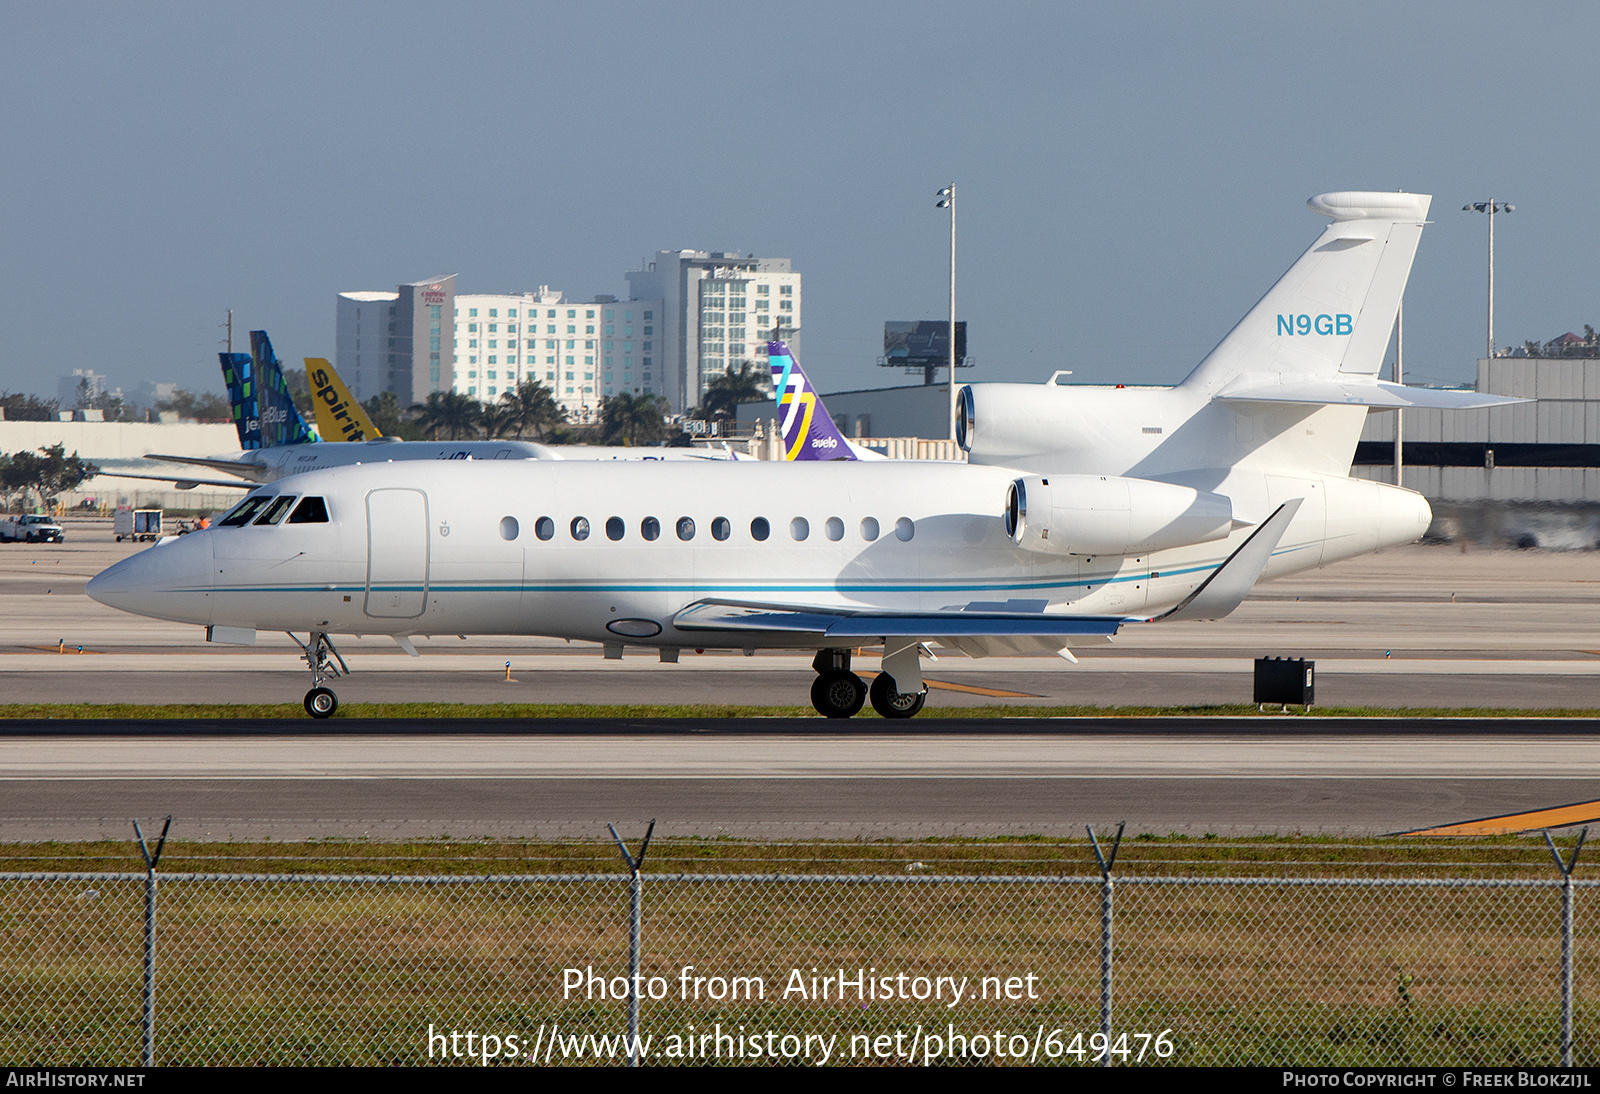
(630,419)
(534,408)
(386,413)
(47,474)
(747,384)
(497,420)
(17,407)
(206,406)
(448,411)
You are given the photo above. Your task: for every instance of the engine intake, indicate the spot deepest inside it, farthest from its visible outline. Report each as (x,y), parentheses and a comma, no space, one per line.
(1111,515)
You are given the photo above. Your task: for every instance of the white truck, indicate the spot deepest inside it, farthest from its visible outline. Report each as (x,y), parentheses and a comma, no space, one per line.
(31,529)
(137,524)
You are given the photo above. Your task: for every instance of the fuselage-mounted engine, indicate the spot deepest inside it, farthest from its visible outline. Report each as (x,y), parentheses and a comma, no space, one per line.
(1111,515)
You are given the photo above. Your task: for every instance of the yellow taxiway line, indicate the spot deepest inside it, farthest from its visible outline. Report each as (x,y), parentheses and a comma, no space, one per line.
(1558,816)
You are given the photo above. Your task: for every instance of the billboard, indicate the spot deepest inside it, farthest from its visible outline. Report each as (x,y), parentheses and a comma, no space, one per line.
(924,344)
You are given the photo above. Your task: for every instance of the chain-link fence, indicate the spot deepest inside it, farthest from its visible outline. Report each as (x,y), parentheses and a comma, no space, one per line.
(101,968)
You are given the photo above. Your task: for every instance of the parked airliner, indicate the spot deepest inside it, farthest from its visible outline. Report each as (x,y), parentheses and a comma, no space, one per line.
(275,440)
(1163,503)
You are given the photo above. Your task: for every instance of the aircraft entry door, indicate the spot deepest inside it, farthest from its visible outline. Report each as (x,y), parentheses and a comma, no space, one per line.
(397,553)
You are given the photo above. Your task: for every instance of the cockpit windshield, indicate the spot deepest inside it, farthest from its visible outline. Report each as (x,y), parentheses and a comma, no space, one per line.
(274,512)
(241,513)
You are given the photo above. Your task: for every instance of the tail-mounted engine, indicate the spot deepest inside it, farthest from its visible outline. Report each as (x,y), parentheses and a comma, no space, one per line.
(1111,515)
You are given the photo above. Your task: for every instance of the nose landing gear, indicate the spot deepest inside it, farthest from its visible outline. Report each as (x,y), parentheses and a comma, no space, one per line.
(325,663)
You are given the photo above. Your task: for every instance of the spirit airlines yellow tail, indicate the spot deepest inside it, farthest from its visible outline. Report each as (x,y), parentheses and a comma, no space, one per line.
(339,416)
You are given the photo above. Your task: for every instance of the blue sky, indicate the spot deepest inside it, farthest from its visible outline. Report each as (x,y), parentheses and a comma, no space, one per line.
(1131,177)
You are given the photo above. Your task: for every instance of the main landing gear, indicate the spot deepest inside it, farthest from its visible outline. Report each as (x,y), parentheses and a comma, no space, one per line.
(839,693)
(325,664)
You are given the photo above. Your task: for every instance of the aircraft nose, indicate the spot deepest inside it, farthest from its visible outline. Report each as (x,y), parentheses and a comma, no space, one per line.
(171,580)
(112,585)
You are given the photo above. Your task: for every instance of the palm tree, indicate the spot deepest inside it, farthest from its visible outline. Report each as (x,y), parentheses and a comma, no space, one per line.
(448,410)
(497,420)
(633,419)
(749,384)
(534,407)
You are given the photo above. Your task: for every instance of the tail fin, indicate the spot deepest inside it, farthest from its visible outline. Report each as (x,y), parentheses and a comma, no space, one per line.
(339,416)
(239,376)
(808,429)
(280,421)
(1330,315)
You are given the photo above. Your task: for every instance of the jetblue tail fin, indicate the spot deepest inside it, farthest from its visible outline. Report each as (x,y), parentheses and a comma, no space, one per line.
(239,374)
(808,429)
(1329,317)
(280,422)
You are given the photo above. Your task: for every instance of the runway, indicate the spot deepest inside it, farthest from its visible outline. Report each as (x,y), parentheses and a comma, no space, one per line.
(777,778)
(1420,626)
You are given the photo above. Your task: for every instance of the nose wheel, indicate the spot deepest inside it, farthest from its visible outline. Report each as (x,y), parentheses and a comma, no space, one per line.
(325,664)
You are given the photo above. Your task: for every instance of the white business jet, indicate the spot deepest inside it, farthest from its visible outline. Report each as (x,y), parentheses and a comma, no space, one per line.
(1082,512)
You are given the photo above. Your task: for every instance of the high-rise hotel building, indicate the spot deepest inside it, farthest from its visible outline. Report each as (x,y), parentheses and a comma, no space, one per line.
(690,316)
(395,341)
(581,351)
(718,310)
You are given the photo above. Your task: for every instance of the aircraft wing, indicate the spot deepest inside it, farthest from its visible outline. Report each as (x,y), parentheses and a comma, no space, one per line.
(978,630)
(1377,394)
(854,626)
(183,482)
(237,467)
(1231,582)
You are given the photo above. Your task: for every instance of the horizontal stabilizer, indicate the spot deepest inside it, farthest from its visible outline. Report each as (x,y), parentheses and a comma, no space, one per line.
(1379,394)
(1231,582)
(829,624)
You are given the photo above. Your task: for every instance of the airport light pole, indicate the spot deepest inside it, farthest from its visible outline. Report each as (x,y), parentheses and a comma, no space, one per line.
(947,200)
(1491,207)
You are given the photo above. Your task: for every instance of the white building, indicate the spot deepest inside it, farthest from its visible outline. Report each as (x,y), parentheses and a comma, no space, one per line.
(361,338)
(387,341)
(719,308)
(581,351)
(81,380)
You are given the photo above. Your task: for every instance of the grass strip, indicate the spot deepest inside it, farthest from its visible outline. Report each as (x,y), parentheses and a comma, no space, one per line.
(1290,855)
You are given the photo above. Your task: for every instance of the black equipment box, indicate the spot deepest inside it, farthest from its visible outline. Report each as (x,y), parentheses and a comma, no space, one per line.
(1285,680)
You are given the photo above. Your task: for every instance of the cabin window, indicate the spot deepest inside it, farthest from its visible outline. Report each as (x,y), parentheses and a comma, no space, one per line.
(869,528)
(799,528)
(309,511)
(580,528)
(615,528)
(904,529)
(835,529)
(686,528)
(650,528)
(242,512)
(720,528)
(275,512)
(544,528)
(760,529)
(509,528)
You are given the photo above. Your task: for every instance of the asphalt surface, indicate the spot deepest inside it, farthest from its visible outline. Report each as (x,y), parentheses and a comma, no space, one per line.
(788,778)
(1421,626)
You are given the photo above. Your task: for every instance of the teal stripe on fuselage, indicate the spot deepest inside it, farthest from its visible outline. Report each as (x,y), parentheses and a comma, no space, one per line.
(688,585)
